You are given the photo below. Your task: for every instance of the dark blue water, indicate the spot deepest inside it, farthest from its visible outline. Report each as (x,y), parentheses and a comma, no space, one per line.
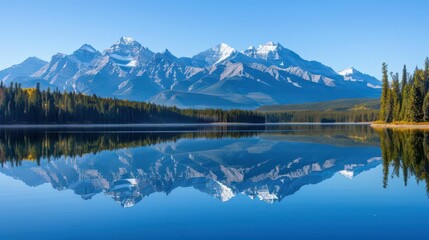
(205,182)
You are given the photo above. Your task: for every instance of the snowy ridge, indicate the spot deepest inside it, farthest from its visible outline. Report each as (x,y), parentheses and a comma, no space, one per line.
(126,40)
(220,76)
(353,75)
(224,51)
(265,49)
(215,54)
(347,71)
(89,48)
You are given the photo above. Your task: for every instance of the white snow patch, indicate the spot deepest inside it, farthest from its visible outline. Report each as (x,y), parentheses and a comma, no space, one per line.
(349,78)
(347,173)
(373,86)
(220,191)
(328,82)
(126,40)
(132,63)
(123,84)
(258,80)
(223,51)
(347,71)
(121,58)
(374,159)
(266,48)
(266,196)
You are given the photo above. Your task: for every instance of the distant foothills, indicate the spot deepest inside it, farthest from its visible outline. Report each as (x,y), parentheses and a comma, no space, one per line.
(220,77)
(406,101)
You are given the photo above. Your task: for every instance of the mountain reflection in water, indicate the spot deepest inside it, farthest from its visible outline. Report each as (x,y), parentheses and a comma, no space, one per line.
(265,162)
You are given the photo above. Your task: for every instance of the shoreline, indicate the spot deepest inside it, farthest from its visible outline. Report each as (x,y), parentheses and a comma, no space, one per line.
(417,126)
(160,125)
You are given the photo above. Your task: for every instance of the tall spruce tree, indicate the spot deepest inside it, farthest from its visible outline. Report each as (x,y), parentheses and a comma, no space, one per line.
(416,97)
(426,108)
(426,77)
(384,93)
(390,106)
(395,97)
(405,106)
(404,79)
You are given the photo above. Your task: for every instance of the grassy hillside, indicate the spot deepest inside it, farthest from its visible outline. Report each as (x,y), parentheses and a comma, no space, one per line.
(340,105)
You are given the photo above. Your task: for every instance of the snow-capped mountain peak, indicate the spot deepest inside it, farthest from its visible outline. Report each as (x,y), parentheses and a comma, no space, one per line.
(353,75)
(126,40)
(128,52)
(88,48)
(223,48)
(223,51)
(215,54)
(125,45)
(85,54)
(217,77)
(267,48)
(347,71)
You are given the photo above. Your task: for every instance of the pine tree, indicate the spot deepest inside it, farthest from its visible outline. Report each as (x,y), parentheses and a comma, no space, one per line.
(395,97)
(405,106)
(390,106)
(416,101)
(384,93)
(404,79)
(426,108)
(426,77)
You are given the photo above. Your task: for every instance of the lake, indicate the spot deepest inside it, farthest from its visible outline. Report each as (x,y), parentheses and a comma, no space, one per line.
(213,182)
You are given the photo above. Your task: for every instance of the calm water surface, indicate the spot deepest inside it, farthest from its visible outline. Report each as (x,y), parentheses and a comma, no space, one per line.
(214,182)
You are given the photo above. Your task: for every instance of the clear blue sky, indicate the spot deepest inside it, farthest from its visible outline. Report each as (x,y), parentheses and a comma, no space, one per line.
(337,33)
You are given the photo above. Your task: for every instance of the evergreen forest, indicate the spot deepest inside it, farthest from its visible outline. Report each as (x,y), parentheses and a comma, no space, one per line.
(405,98)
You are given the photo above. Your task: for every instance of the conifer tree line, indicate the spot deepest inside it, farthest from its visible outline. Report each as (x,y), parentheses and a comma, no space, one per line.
(405,97)
(34,106)
(323,116)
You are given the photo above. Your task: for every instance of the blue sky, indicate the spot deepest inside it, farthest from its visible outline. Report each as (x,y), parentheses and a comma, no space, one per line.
(337,33)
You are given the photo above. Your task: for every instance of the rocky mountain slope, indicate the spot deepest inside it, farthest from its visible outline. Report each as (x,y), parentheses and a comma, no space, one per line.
(218,77)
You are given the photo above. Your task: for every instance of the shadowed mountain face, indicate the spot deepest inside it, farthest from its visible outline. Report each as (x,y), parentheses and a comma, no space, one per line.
(265,163)
(20,72)
(218,77)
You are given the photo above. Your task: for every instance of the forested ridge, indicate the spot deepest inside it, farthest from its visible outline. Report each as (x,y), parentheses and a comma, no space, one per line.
(323,116)
(32,105)
(405,99)
(340,110)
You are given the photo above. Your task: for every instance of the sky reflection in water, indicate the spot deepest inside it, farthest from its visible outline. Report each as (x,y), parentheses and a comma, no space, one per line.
(199,181)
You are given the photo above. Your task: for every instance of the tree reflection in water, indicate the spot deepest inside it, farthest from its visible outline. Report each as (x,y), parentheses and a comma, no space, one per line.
(406,153)
(265,162)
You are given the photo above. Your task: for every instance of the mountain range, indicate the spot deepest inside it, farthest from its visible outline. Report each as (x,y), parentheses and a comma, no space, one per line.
(218,77)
